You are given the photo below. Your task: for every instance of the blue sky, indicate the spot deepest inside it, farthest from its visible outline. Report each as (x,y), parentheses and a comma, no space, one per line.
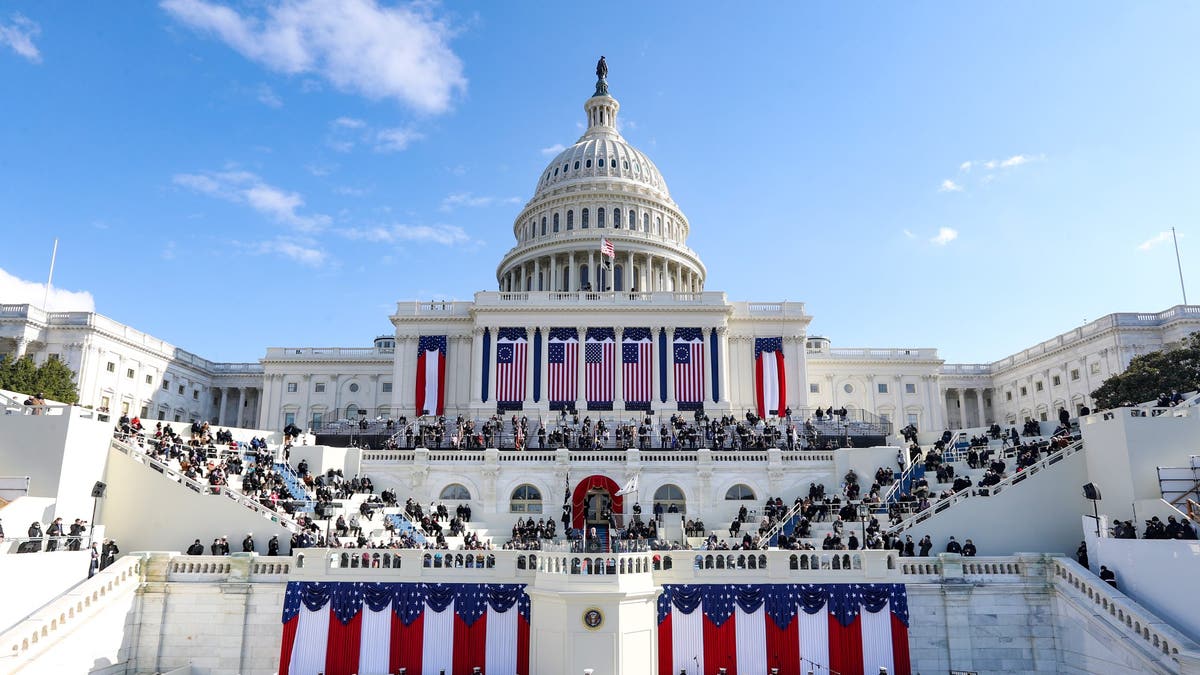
(230,176)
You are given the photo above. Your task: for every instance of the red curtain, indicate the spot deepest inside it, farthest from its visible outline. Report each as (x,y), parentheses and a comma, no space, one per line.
(845,646)
(407,645)
(522,645)
(783,646)
(665,653)
(289,638)
(720,646)
(470,644)
(341,652)
(900,662)
(578,498)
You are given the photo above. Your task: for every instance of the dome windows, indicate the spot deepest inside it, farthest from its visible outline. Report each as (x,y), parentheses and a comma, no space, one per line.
(600,217)
(570,220)
(646,223)
(577,165)
(555,173)
(543,226)
(616,219)
(632,220)
(625,164)
(584,222)
(612,163)
(587,164)
(556,222)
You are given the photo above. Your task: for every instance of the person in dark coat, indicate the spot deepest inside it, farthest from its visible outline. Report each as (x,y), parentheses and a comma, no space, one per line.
(1081,554)
(968,549)
(196,548)
(248,543)
(926,546)
(273,545)
(953,546)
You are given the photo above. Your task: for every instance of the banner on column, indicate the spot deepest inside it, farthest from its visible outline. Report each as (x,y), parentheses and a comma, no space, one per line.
(636,377)
(341,628)
(431,375)
(797,628)
(599,363)
(564,368)
(689,368)
(770,383)
(511,352)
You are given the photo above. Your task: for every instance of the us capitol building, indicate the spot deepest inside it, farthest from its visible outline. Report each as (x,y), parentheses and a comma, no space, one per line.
(657,338)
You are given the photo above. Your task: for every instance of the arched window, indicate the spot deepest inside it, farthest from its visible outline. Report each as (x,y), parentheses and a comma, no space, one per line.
(555,173)
(612,163)
(570,220)
(588,164)
(584,217)
(670,495)
(600,217)
(556,222)
(583,276)
(739,491)
(625,164)
(576,165)
(543,226)
(658,225)
(632,220)
(617,218)
(565,167)
(526,499)
(645,222)
(455,491)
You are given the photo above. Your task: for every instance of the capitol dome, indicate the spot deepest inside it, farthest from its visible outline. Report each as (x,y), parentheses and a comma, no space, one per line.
(601,189)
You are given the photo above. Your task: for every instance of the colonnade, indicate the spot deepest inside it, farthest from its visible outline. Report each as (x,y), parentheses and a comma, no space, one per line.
(570,272)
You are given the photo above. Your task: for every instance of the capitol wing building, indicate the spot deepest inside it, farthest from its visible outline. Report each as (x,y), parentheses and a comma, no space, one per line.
(645,477)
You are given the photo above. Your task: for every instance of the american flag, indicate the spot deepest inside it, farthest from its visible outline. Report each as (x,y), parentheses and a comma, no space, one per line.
(511,344)
(689,365)
(564,365)
(606,248)
(598,360)
(635,359)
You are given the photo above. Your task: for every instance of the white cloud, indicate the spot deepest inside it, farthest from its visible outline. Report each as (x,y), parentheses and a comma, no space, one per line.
(457,199)
(395,139)
(965,166)
(243,187)
(950,186)
(1018,160)
(554,149)
(909,234)
(268,97)
(944,236)
(168,251)
(320,170)
(18,291)
(18,34)
(1160,238)
(399,53)
(348,123)
(349,191)
(302,250)
(446,235)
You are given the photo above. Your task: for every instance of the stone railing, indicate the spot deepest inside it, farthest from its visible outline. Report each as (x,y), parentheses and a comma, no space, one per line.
(1131,620)
(566,456)
(57,619)
(332,353)
(560,298)
(223,568)
(898,354)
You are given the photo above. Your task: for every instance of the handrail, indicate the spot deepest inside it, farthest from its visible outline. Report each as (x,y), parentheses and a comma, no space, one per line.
(778,527)
(1012,479)
(137,455)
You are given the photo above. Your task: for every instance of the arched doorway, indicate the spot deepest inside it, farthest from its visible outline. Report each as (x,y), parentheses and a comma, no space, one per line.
(590,496)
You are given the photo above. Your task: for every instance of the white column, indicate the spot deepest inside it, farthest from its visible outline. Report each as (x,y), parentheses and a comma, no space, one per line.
(630,280)
(581,373)
(979,405)
(537,272)
(672,401)
(241,405)
(899,415)
(649,272)
(678,278)
(573,276)
(553,285)
(220,403)
(962,409)
(593,275)
(619,376)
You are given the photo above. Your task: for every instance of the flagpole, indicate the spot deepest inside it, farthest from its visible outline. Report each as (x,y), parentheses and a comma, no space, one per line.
(1178,265)
(54,255)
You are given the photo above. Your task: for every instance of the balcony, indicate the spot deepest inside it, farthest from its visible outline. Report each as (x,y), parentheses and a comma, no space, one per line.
(330,353)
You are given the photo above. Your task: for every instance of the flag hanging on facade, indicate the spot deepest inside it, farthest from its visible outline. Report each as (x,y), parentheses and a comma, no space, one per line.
(769,380)
(636,376)
(341,628)
(431,375)
(598,363)
(606,248)
(564,367)
(631,486)
(689,367)
(797,628)
(511,347)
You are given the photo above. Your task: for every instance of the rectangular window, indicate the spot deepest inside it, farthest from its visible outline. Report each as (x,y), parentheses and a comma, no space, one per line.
(52,357)
(320,388)
(291,387)
(111,367)
(814,388)
(1038,385)
(1008,396)
(1057,380)
(195,394)
(1024,392)
(166,384)
(289,418)
(317,419)
(149,379)
(181,390)
(883,388)
(913,418)
(124,407)
(885,417)
(104,403)
(129,373)
(162,415)
(910,388)
(1095,368)
(1074,374)
(386,387)
(145,411)
(177,419)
